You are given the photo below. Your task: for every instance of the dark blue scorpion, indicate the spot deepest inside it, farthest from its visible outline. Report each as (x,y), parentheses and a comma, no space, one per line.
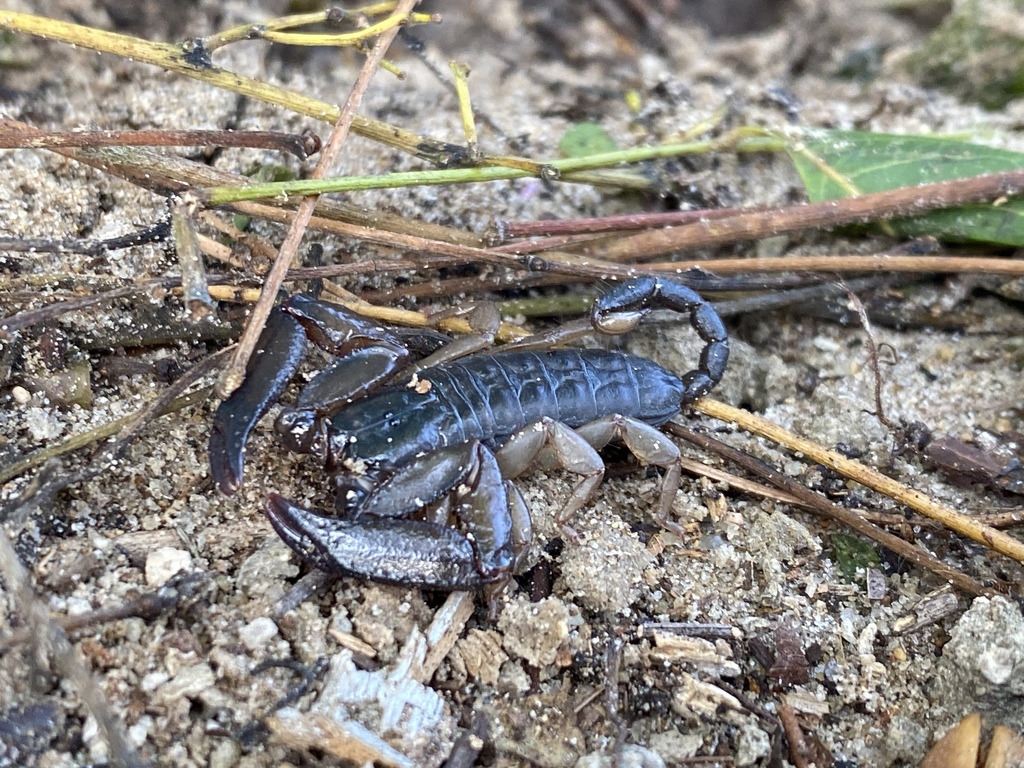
(421,461)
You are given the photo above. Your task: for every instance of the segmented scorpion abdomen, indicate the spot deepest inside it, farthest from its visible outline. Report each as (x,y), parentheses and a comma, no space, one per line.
(484,397)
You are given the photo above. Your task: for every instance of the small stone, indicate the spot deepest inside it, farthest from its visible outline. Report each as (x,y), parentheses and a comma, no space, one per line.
(78,606)
(94,741)
(752,744)
(138,733)
(674,746)
(631,756)
(534,631)
(982,665)
(593,584)
(257,633)
(272,562)
(188,683)
(226,754)
(21,395)
(165,562)
(153,680)
(42,424)
(876,584)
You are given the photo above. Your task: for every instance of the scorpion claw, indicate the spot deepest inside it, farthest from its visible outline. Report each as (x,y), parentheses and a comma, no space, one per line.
(393,551)
(282,346)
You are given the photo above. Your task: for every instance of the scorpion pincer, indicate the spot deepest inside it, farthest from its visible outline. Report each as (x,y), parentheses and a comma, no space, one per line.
(422,463)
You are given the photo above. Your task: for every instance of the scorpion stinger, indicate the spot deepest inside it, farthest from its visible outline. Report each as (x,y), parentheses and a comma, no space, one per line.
(622,308)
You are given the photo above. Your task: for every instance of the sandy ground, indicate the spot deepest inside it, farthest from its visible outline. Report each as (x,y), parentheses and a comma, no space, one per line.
(401,668)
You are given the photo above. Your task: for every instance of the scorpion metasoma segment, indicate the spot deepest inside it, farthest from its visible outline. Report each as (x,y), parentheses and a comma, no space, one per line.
(422,453)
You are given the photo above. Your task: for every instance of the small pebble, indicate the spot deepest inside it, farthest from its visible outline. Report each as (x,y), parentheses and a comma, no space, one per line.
(94,741)
(163,563)
(153,680)
(257,633)
(226,754)
(21,395)
(188,683)
(630,756)
(139,732)
(77,606)
(42,424)
(876,584)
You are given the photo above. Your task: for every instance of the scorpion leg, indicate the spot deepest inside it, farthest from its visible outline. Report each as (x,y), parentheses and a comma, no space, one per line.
(649,445)
(484,321)
(403,552)
(522,525)
(568,450)
(622,308)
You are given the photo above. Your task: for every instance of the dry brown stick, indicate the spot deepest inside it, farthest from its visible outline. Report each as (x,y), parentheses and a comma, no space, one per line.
(873,359)
(427,249)
(509,230)
(166,174)
(302,146)
(862,209)
(839,262)
(700,469)
(235,371)
(795,737)
(195,284)
(825,507)
(51,639)
(147,606)
(1002,519)
(256,243)
(860,473)
(545,244)
(457,286)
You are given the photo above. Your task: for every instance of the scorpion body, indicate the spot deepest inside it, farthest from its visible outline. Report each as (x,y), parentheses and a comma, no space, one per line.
(421,464)
(492,397)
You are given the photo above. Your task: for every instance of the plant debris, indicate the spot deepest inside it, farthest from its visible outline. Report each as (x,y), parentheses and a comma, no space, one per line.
(181,631)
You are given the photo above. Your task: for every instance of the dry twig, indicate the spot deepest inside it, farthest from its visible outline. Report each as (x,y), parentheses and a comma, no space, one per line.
(820,504)
(235,371)
(854,470)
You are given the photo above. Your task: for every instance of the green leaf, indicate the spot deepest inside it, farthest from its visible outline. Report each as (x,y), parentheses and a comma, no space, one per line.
(835,164)
(854,554)
(271,173)
(583,139)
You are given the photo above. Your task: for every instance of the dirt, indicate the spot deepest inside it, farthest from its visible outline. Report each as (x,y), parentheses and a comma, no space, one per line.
(398,675)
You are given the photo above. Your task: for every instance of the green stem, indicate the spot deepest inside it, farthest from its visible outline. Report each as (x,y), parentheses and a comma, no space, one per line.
(565,168)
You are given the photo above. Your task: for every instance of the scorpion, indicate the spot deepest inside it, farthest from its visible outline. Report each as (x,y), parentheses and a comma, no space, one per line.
(422,455)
